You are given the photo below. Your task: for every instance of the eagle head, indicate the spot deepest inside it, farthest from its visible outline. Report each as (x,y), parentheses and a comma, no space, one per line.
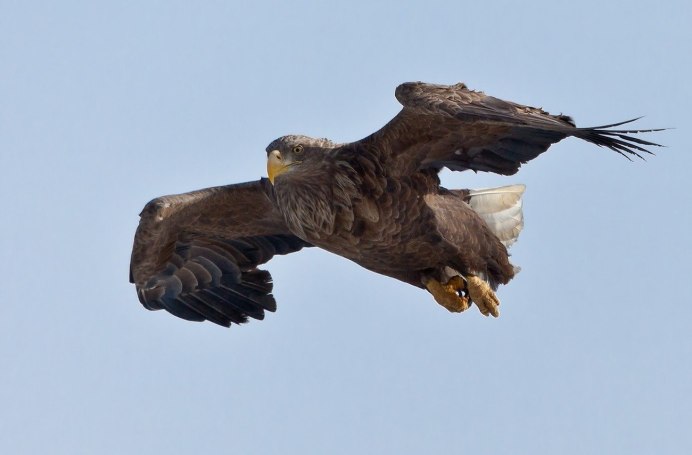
(289,153)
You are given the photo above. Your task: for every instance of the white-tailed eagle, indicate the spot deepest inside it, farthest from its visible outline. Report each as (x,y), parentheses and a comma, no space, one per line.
(376,201)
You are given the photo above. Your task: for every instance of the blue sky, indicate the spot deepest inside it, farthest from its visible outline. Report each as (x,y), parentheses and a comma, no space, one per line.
(105,105)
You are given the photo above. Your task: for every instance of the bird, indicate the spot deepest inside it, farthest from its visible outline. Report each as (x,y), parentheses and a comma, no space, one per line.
(377,201)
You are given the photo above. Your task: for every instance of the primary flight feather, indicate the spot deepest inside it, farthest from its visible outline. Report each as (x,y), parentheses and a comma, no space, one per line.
(376,201)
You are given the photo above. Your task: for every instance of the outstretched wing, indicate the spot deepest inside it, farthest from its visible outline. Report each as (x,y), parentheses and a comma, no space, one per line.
(196,254)
(454,127)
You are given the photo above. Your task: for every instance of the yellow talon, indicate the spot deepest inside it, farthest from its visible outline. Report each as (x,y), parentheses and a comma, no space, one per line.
(447,294)
(458,293)
(483,296)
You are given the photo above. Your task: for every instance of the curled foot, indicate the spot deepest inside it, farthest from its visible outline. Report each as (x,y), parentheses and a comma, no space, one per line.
(483,296)
(449,295)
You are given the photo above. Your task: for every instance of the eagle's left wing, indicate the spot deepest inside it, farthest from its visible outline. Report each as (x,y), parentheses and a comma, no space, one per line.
(461,129)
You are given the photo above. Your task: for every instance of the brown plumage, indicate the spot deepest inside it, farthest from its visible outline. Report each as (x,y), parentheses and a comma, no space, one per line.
(377,201)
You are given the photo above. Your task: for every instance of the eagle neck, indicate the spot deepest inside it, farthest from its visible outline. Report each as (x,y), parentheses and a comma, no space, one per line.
(305,201)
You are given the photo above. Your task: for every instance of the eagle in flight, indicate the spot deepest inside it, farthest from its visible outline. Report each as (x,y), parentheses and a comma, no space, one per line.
(376,201)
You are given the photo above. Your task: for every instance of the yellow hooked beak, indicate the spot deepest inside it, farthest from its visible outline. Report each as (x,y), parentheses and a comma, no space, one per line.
(275,165)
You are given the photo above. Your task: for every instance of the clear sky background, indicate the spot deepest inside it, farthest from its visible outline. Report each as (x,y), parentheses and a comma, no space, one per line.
(106,105)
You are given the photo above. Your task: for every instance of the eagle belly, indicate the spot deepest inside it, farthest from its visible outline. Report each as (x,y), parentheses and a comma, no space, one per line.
(400,227)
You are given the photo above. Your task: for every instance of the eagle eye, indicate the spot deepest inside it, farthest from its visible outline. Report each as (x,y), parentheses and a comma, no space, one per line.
(298,148)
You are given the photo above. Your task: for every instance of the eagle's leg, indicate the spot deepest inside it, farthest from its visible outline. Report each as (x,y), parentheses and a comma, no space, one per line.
(449,295)
(482,295)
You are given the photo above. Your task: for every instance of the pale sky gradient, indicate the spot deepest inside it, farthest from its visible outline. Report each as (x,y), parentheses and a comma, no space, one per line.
(105,105)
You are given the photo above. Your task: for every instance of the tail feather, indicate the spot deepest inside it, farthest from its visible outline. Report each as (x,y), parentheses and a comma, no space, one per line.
(501,209)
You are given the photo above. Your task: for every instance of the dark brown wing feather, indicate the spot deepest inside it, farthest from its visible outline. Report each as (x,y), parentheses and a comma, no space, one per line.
(196,254)
(454,127)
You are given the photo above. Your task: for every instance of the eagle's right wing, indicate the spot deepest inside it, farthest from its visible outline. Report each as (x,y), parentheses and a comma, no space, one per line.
(196,254)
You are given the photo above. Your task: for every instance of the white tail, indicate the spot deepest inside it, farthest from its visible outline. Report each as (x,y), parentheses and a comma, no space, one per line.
(500,208)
